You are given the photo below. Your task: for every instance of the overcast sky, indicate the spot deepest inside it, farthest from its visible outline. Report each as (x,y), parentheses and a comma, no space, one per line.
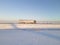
(30,9)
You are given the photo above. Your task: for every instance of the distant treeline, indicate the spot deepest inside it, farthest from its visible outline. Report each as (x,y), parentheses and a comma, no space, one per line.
(36,22)
(48,22)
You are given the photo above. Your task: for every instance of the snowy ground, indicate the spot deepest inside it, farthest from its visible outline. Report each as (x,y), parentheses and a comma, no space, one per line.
(24,37)
(29,37)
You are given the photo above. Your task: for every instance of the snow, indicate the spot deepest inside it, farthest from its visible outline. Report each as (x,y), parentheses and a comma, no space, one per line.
(26,37)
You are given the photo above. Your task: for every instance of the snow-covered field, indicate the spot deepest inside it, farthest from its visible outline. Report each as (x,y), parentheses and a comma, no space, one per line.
(5,26)
(26,37)
(13,36)
(12,25)
(38,25)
